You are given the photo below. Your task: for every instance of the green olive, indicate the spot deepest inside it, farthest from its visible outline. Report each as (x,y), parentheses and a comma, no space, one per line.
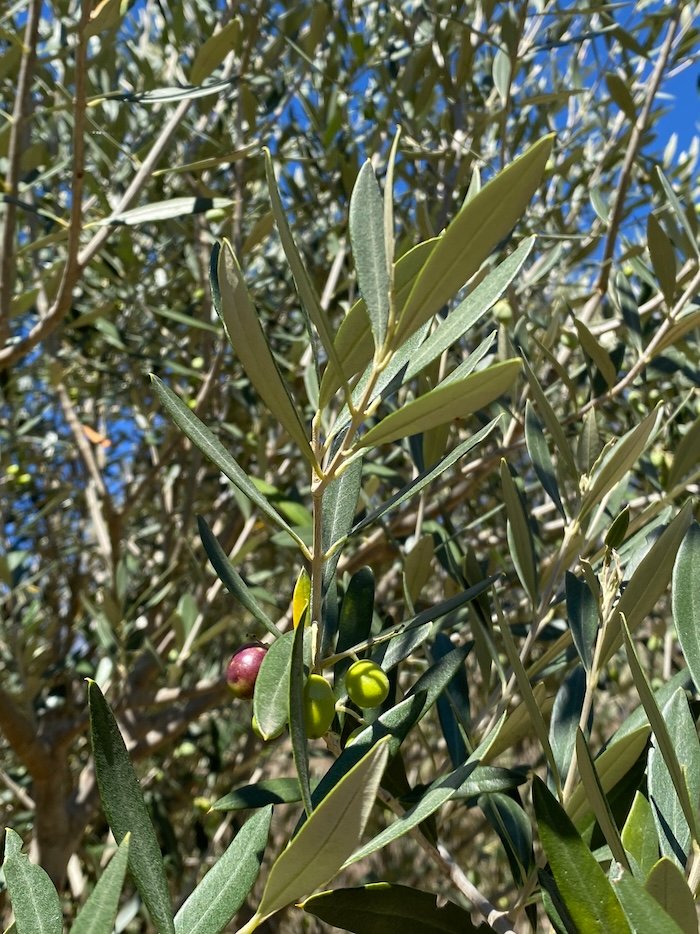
(367,685)
(319,706)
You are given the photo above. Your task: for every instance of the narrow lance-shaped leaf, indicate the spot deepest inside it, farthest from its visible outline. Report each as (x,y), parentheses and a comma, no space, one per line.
(437,794)
(126,810)
(582,611)
(526,691)
(442,404)
(672,825)
(419,351)
(663,258)
(662,736)
(271,696)
(296,712)
(667,885)
(207,442)
(520,541)
(99,912)
(225,887)
(382,907)
(540,457)
(479,226)
(231,578)
(34,899)
(247,338)
(599,803)
(546,412)
(685,599)
(639,835)
(648,582)
(267,791)
(617,460)
(337,513)
(643,912)
(596,352)
(354,344)
(426,477)
(369,250)
(395,722)
(302,280)
(686,456)
(581,882)
(212,52)
(328,837)
(678,211)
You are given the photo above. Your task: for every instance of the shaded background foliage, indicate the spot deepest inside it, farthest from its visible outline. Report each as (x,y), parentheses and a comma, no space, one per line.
(105,280)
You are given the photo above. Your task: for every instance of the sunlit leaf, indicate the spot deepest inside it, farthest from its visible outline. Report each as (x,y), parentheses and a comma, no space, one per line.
(442,404)
(366,224)
(328,837)
(225,887)
(483,221)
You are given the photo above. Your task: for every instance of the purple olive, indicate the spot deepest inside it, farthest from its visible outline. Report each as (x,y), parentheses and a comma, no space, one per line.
(242,670)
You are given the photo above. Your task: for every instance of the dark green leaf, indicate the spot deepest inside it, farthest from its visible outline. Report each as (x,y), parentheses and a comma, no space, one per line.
(581,882)
(268,791)
(209,444)
(297,730)
(520,542)
(231,578)
(663,258)
(513,828)
(427,476)
(120,793)
(565,718)
(582,610)
(597,353)
(385,908)
(540,457)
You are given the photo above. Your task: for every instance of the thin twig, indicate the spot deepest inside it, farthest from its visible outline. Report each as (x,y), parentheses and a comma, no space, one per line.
(20,114)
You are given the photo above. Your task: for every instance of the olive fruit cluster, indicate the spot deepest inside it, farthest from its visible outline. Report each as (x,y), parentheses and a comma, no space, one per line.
(366,684)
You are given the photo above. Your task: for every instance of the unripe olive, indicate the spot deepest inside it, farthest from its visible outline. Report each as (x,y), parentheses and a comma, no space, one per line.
(367,685)
(243,668)
(319,706)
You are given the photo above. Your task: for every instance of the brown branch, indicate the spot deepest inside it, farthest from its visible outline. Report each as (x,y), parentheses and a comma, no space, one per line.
(20,115)
(58,310)
(20,731)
